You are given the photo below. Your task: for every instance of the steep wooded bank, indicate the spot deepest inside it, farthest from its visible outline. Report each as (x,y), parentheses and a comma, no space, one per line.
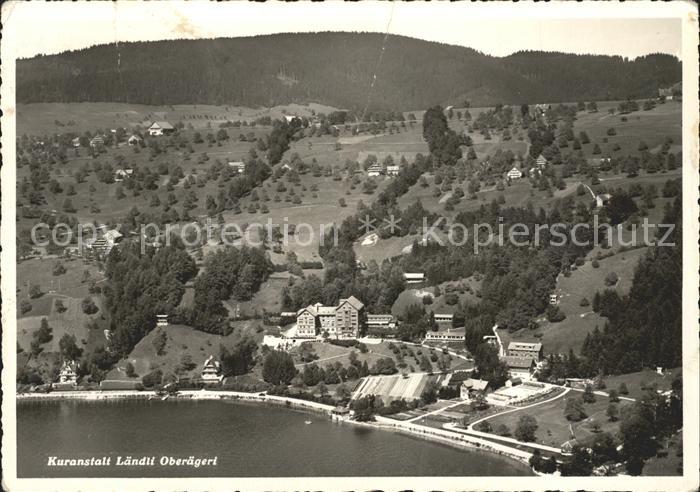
(335,69)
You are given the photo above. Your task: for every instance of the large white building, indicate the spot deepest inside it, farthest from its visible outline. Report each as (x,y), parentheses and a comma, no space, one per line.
(341,321)
(525,349)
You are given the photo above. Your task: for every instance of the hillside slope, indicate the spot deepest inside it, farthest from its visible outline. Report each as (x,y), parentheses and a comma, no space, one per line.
(332,68)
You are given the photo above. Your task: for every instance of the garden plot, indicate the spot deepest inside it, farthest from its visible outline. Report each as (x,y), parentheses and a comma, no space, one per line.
(393,387)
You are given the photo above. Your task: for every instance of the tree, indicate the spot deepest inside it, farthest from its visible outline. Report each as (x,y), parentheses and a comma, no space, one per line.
(278,368)
(89,306)
(159,341)
(620,207)
(536,460)
(478,402)
(483,426)
(60,307)
(573,410)
(502,430)
(25,306)
(526,428)
(554,314)
(44,333)
(604,449)
(579,465)
(425,364)
(239,359)
(152,379)
(622,389)
(612,396)
(638,437)
(430,393)
(35,291)
(342,392)
(611,279)
(612,412)
(186,363)
(129,370)
(444,363)
(58,269)
(68,348)
(588,395)
(489,365)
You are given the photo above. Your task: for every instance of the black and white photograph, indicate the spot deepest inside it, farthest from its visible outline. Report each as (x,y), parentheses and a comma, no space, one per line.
(350,246)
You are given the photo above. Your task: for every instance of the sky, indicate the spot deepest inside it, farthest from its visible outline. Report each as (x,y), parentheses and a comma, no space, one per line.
(629,30)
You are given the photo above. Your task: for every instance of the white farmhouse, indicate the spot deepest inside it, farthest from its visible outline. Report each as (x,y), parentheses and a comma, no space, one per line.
(515,173)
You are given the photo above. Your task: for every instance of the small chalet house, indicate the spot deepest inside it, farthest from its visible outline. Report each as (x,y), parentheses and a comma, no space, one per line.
(392,170)
(673,92)
(414,278)
(515,173)
(121,174)
(523,349)
(68,374)
(520,367)
(374,170)
(237,166)
(103,245)
(602,200)
(471,387)
(159,128)
(541,162)
(97,142)
(134,140)
(211,370)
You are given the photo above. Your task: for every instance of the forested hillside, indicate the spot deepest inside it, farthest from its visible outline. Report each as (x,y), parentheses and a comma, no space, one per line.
(335,69)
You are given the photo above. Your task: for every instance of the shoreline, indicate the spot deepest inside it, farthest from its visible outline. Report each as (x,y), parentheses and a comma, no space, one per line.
(452,439)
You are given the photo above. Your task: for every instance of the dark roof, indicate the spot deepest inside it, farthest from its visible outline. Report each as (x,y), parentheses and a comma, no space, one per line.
(353,301)
(163,124)
(475,384)
(535,347)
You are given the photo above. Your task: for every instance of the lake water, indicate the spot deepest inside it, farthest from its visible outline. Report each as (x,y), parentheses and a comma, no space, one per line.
(247,440)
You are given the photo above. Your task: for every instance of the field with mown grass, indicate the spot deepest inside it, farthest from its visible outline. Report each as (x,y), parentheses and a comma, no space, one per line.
(553,427)
(648,377)
(39,271)
(651,126)
(40,118)
(181,340)
(464,289)
(583,282)
(72,321)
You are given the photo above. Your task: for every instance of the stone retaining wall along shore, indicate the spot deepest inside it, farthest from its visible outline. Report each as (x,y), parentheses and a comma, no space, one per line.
(184,394)
(453,438)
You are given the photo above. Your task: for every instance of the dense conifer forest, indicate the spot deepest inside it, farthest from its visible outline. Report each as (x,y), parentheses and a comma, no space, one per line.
(335,69)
